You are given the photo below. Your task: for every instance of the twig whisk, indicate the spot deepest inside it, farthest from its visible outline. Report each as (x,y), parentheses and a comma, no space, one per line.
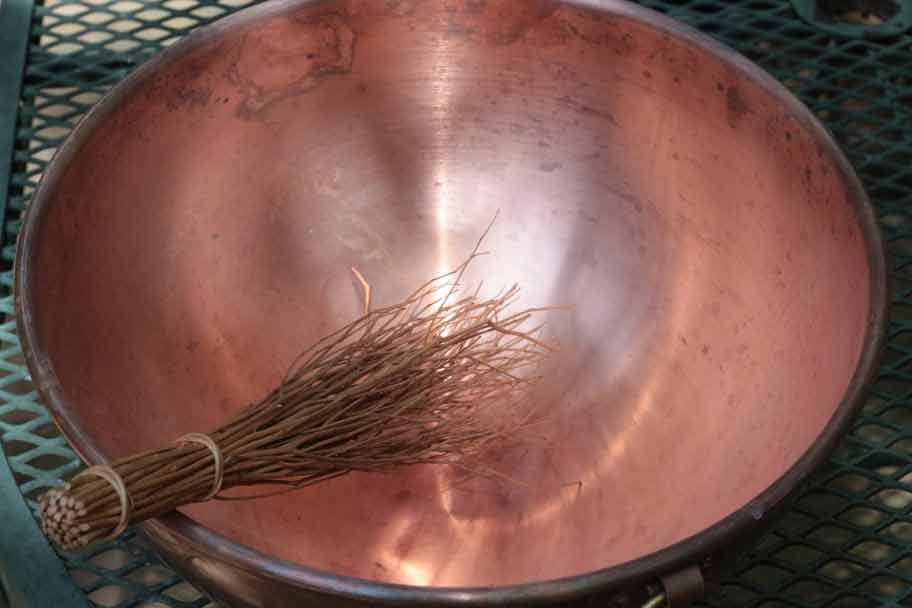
(433,379)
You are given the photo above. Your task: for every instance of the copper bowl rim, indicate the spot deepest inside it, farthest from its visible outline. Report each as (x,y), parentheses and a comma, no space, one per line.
(692,551)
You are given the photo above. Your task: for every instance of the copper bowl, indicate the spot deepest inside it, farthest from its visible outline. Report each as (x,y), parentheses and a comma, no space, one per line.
(197,230)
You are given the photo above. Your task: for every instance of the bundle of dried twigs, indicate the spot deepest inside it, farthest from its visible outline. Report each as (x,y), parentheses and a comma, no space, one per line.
(402,385)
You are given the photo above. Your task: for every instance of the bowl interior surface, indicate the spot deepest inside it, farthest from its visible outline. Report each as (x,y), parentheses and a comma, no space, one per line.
(203,235)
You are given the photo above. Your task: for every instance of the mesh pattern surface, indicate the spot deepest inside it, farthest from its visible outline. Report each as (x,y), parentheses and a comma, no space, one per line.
(78,50)
(847,543)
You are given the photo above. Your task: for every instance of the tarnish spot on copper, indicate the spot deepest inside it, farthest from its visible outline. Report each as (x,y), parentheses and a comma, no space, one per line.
(318,46)
(386,8)
(736,105)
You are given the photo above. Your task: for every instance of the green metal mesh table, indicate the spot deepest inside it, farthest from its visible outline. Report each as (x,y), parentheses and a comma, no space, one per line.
(847,542)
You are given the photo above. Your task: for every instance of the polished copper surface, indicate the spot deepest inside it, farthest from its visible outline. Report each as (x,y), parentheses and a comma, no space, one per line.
(203,231)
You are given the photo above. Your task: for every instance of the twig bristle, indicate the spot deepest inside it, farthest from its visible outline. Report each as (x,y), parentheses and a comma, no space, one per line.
(403,385)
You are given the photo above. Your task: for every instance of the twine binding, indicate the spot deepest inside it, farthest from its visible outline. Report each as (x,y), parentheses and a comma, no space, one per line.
(218,460)
(108,474)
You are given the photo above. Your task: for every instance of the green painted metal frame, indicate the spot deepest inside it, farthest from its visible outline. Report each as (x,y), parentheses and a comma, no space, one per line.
(31,574)
(15,26)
